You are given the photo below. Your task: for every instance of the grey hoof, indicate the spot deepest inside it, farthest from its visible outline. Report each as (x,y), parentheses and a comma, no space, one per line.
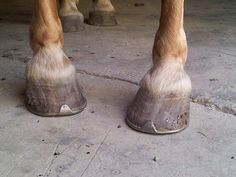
(158,115)
(100,18)
(62,99)
(72,23)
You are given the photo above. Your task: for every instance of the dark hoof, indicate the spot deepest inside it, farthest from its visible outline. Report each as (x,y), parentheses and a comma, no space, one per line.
(72,23)
(100,18)
(55,100)
(158,115)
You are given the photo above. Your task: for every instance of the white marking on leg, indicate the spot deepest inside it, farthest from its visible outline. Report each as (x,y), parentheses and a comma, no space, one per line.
(167,78)
(48,65)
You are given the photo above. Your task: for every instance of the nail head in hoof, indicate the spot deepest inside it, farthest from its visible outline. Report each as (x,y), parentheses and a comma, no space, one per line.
(158,115)
(62,99)
(100,18)
(72,23)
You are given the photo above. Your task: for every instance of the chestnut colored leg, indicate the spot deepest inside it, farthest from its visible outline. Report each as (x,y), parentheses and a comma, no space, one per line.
(72,19)
(162,103)
(51,84)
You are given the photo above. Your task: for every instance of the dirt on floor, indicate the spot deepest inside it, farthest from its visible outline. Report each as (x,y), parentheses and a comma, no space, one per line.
(110,63)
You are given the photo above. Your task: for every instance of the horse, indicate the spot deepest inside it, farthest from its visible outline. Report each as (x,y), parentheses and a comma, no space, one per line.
(162,103)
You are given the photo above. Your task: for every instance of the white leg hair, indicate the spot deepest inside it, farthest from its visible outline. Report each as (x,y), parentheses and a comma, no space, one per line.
(168,77)
(104,5)
(70,8)
(50,65)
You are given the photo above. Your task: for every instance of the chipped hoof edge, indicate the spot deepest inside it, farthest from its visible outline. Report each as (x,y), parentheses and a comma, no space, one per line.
(158,115)
(72,23)
(101,18)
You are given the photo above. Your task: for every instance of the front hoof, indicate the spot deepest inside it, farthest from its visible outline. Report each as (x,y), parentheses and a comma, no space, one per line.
(62,99)
(158,115)
(101,18)
(72,23)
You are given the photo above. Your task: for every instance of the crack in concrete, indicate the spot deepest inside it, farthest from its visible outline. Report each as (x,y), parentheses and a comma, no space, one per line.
(206,103)
(53,158)
(221,108)
(104,139)
(107,77)
(51,161)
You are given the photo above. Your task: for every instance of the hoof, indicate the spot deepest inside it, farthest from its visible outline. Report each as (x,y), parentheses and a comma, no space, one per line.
(101,18)
(61,99)
(158,115)
(72,23)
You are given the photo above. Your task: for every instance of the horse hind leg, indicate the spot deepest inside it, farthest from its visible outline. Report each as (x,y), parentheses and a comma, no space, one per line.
(71,18)
(103,14)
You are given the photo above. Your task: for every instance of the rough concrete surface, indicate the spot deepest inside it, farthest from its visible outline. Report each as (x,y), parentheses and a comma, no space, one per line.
(110,62)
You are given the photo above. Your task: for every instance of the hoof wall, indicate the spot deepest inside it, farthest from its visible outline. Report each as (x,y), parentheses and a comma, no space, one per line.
(72,23)
(158,115)
(57,100)
(100,18)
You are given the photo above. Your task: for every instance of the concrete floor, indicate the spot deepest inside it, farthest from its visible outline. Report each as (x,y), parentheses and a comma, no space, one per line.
(110,62)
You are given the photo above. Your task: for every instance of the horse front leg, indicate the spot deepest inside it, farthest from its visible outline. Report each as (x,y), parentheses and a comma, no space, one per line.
(103,14)
(51,84)
(162,103)
(72,19)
